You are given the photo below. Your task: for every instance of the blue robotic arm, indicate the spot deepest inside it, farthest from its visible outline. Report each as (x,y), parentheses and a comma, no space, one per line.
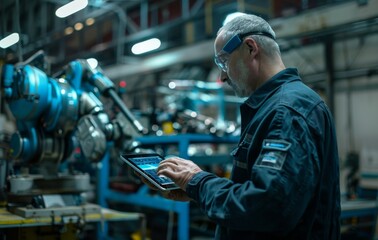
(49,111)
(46,111)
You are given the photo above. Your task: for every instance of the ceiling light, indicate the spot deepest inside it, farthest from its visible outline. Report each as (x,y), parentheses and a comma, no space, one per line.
(146,46)
(78,26)
(71,8)
(172,85)
(9,40)
(89,21)
(68,30)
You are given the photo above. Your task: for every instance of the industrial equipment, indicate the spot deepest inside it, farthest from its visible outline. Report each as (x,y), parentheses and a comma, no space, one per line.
(55,116)
(185,102)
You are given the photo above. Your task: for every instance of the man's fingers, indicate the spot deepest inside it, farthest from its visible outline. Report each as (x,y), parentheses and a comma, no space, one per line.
(167,165)
(167,172)
(173,160)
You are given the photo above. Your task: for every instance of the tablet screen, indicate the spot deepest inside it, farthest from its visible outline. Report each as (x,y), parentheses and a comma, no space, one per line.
(146,165)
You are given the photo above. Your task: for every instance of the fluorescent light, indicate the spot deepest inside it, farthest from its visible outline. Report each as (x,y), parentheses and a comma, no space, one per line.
(146,46)
(71,8)
(9,40)
(232,16)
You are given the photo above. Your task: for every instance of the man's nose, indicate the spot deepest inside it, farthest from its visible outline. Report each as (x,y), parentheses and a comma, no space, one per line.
(223,76)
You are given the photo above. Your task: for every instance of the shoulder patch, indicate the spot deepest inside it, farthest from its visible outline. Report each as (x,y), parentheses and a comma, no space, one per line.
(273,153)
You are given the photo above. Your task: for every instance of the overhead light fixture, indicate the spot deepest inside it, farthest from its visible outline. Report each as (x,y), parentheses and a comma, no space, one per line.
(71,8)
(172,85)
(231,16)
(89,21)
(9,40)
(146,46)
(78,26)
(68,31)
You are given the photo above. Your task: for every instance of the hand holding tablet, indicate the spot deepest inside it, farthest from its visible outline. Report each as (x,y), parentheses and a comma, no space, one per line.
(146,164)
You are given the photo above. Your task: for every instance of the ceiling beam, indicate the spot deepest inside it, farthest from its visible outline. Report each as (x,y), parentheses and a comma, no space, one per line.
(323,18)
(191,53)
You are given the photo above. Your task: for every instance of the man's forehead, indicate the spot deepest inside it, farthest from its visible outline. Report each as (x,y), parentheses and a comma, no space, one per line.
(222,35)
(220,40)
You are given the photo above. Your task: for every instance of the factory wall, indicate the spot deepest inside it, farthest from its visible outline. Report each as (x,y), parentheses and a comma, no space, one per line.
(356,97)
(355,94)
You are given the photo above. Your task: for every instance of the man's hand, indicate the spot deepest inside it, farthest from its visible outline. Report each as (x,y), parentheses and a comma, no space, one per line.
(177,195)
(181,171)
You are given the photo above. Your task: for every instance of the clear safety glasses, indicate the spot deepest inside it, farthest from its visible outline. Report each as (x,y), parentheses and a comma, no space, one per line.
(221,58)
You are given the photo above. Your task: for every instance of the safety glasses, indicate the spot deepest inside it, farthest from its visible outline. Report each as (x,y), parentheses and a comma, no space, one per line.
(221,58)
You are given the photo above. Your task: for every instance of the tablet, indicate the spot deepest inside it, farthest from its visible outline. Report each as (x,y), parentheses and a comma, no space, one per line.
(146,164)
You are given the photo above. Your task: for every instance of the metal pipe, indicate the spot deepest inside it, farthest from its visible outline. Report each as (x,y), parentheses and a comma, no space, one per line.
(118,101)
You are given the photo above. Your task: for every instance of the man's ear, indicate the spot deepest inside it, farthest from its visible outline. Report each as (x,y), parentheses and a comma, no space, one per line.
(252,46)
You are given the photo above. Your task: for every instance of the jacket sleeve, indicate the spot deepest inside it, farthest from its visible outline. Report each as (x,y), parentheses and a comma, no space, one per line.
(281,184)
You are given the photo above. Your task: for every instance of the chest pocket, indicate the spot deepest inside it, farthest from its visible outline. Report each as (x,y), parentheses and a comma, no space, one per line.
(240,153)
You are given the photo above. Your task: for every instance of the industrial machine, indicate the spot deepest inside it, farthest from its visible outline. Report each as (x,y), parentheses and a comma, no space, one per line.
(58,116)
(185,109)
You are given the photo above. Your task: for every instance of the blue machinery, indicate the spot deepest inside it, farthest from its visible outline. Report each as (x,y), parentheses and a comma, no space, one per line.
(54,116)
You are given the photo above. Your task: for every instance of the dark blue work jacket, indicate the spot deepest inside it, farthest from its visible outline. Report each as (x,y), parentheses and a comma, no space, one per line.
(285,177)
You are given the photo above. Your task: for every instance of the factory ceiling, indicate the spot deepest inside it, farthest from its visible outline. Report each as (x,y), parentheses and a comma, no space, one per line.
(106,30)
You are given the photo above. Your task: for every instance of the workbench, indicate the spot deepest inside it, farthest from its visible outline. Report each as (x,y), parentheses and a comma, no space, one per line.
(96,214)
(360,215)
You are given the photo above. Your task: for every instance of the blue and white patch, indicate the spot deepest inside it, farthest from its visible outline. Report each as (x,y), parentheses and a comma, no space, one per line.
(273,154)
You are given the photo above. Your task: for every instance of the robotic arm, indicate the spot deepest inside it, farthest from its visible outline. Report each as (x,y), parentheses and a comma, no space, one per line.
(45,110)
(51,111)
(55,116)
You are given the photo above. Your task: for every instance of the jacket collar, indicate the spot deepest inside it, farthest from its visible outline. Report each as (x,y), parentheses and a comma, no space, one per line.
(271,86)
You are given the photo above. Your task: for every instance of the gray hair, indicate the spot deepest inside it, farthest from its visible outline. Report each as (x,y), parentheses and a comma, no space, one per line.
(249,23)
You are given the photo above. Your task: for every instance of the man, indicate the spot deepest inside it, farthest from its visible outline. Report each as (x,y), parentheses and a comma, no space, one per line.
(285,177)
